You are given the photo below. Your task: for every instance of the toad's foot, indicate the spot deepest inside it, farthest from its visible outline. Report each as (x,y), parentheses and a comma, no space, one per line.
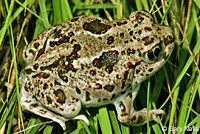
(127,114)
(140,117)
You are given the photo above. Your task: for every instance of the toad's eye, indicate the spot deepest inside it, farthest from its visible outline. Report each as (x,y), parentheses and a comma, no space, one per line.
(153,54)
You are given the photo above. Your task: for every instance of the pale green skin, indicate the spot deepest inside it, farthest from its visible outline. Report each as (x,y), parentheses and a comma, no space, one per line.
(43,90)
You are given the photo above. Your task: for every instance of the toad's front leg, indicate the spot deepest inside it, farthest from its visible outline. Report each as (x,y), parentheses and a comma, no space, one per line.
(127,114)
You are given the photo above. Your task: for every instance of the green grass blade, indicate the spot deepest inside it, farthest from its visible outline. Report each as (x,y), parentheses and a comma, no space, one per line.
(197,3)
(104,121)
(5,27)
(96,6)
(125,129)
(114,122)
(44,13)
(57,12)
(11,119)
(48,129)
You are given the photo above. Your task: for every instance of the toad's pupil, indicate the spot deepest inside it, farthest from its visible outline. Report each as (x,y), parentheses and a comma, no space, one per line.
(157,52)
(150,55)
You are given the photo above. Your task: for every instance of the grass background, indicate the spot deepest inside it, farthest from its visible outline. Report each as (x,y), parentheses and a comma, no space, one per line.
(175,88)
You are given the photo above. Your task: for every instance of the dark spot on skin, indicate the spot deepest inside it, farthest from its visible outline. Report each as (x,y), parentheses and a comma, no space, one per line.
(131,33)
(74,100)
(92,72)
(130,51)
(43,111)
(137,71)
(74,19)
(49,100)
(122,107)
(73,109)
(139,32)
(122,35)
(70,34)
(130,65)
(42,95)
(60,95)
(34,105)
(118,76)
(98,86)
(109,88)
(105,99)
(121,23)
(72,41)
(41,51)
(133,118)
(123,92)
(41,75)
(69,67)
(113,96)
(123,114)
(96,27)
(61,74)
(27,101)
(78,90)
(123,85)
(45,86)
(87,96)
(126,42)
(130,94)
(56,105)
(135,25)
(57,83)
(72,56)
(109,69)
(110,40)
(49,67)
(107,59)
(97,63)
(36,45)
(28,71)
(148,40)
(26,87)
(150,69)
(123,52)
(77,47)
(125,75)
(147,28)
(52,43)
(61,109)
(35,66)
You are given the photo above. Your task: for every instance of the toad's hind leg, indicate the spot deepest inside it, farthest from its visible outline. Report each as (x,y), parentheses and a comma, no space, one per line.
(127,114)
(59,110)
